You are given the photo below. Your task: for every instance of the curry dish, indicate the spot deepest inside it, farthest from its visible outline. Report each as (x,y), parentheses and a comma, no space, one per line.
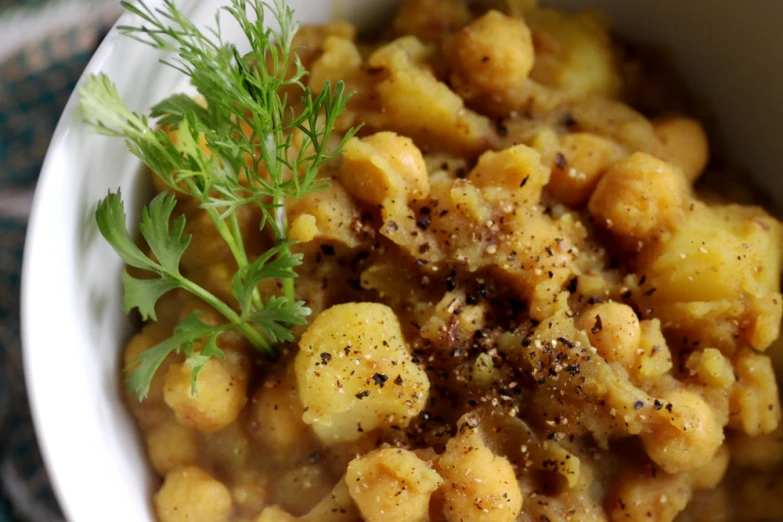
(522,307)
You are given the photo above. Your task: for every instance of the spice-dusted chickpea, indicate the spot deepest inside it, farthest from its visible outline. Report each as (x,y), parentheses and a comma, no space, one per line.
(754,401)
(613,329)
(684,144)
(355,373)
(516,172)
(710,475)
(275,421)
(392,485)
(642,495)
(578,165)
(299,489)
(639,198)
(431,20)
(384,165)
(171,445)
(479,485)
(490,56)
(190,494)
(687,435)
(222,392)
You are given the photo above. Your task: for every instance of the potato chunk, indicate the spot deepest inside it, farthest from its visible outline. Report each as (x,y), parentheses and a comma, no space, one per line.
(574,53)
(479,485)
(354,373)
(190,494)
(416,104)
(392,485)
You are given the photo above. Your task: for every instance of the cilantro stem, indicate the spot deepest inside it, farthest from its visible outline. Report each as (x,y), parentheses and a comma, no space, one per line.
(252,335)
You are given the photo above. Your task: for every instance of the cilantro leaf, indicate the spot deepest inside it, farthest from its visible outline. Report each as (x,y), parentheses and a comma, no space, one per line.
(165,241)
(143,368)
(278,316)
(197,360)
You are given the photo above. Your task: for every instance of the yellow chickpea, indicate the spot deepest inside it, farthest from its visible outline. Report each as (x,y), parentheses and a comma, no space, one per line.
(688,435)
(171,445)
(710,475)
(384,166)
(275,421)
(639,199)
(221,392)
(391,485)
(490,56)
(754,403)
(614,330)
(299,489)
(478,485)
(578,165)
(190,494)
(685,144)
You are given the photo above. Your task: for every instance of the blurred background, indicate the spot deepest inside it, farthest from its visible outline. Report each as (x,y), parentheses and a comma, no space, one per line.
(44,47)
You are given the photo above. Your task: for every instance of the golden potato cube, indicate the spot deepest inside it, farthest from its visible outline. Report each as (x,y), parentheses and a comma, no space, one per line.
(355,373)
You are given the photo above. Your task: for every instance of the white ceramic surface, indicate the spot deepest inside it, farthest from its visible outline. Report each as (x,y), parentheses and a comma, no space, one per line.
(73,326)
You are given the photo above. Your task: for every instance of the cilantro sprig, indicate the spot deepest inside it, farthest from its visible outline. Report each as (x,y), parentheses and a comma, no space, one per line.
(259,150)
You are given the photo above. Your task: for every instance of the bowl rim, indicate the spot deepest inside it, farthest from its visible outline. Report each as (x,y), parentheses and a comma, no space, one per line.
(36,390)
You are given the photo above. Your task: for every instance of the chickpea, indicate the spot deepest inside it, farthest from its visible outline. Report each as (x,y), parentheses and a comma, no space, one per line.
(171,445)
(384,166)
(299,489)
(479,485)
(614,330)
(190,494)
(492,55)
(685,144)
(710,475)
(275,421)
(222,390)
(754,403)
(688,435)
(639,199)
(391,485)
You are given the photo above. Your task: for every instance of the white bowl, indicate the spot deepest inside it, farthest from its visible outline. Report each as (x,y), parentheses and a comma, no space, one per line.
(72,323)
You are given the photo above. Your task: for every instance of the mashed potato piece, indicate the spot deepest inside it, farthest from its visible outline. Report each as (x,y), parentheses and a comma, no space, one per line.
(523,307)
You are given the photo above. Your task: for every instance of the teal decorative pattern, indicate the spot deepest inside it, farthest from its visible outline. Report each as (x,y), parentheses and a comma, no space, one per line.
(35,82)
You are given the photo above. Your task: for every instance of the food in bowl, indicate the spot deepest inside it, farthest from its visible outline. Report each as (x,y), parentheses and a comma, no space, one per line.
(490,291)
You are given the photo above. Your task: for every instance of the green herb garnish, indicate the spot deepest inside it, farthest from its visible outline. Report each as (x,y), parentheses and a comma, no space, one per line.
(248,125)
